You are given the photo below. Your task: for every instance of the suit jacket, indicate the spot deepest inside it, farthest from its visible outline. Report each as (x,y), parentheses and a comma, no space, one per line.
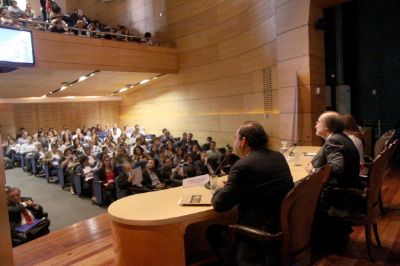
(14,212)
(341,153)
(257,184)
(147,179)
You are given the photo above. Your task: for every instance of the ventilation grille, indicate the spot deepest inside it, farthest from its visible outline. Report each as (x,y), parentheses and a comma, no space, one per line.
(267,86)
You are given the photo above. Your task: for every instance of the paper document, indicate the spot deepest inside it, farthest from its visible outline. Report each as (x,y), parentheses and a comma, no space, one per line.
(137,173)
(196,181)
(310,153)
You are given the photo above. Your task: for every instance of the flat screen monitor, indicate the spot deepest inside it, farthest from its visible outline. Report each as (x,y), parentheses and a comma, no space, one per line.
(16,48)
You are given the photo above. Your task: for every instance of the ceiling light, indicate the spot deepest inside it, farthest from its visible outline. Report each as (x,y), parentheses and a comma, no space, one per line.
(144,81)
(51,92)
(122,90)
(63,87)
(82,78)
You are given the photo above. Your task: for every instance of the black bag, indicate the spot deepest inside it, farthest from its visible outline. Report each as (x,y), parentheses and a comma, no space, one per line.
(8,163)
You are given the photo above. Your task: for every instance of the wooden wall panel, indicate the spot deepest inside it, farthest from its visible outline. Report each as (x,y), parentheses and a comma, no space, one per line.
(7,122)
(5,238)
(223,47)
(56,115)
(65,52)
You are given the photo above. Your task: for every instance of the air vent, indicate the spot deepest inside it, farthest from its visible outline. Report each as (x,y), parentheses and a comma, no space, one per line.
(267,86)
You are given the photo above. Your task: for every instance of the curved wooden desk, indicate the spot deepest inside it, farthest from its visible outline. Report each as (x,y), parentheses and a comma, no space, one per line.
(149,228)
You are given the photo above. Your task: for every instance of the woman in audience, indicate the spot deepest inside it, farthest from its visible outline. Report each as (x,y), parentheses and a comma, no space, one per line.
(52,159)
(68,164)
(91,158)
(124,139)
(352,130)
(67,139)
(85,172)
(170,150)
(138,155)
(179,156)
(196,150)
(107,175)
(155,155)
(110,144)
(77,147)
(140,141)
(51,139)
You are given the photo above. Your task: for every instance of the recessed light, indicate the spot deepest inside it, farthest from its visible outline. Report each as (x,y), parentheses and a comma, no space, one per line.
(82,78)
(144,81)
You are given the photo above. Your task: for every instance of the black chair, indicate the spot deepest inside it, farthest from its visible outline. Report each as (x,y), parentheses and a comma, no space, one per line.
(121,193)
(368,216)
(98,188)
(297,215)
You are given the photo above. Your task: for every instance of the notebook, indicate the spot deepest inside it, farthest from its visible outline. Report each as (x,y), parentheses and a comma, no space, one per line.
(200,199)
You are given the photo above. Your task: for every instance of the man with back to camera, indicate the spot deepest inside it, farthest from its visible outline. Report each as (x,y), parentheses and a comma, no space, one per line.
(340,152)
(257,184)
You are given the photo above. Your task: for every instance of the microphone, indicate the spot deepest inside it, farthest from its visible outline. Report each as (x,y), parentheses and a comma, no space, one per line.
(293,146)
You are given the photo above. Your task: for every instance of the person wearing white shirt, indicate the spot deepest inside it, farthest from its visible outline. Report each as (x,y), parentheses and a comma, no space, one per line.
(27,150)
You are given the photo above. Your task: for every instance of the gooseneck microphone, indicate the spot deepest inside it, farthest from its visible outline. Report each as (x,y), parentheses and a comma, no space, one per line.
(293,146)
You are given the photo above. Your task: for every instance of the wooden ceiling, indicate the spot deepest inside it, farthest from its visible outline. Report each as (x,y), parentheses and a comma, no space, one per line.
(35,82)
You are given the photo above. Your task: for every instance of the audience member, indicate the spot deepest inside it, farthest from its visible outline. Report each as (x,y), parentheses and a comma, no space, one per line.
(131,180)
(107,175)
(15,11)
(147,39)
(151,177)
(58,25)
(352,130)
(29,12)
(27,219)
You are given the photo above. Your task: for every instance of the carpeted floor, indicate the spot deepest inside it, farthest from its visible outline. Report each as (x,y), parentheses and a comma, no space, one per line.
(64,208)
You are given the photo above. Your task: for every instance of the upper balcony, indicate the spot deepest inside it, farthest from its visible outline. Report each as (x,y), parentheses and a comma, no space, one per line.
(79,52)
(64,51)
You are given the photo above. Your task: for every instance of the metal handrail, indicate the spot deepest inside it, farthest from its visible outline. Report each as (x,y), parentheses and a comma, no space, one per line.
(41,25)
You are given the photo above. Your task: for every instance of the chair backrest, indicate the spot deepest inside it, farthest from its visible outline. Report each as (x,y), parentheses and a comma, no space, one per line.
(376,174)
(383,140)
(297,215)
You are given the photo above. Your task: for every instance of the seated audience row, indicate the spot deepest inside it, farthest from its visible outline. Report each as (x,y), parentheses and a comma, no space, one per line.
(118,159)
(81,25)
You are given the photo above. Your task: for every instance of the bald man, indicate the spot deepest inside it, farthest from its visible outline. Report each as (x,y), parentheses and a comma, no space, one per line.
(340,152)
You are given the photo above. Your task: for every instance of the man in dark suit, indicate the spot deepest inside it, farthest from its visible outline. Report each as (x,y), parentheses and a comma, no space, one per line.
(27,219)
(257,184)
(151,177)
(131,181)
(340,152)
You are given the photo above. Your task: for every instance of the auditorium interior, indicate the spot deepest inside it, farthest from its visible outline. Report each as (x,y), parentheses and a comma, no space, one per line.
(216,64)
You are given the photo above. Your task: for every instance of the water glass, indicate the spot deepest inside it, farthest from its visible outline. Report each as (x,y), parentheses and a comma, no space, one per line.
(213,183)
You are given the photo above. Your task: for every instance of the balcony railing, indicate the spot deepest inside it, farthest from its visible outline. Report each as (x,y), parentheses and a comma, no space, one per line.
(32,24)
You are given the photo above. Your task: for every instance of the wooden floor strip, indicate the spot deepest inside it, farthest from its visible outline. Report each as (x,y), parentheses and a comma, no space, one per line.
(90,242)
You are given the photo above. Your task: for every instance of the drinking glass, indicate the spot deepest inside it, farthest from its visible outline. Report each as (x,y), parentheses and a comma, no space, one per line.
(213,183)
